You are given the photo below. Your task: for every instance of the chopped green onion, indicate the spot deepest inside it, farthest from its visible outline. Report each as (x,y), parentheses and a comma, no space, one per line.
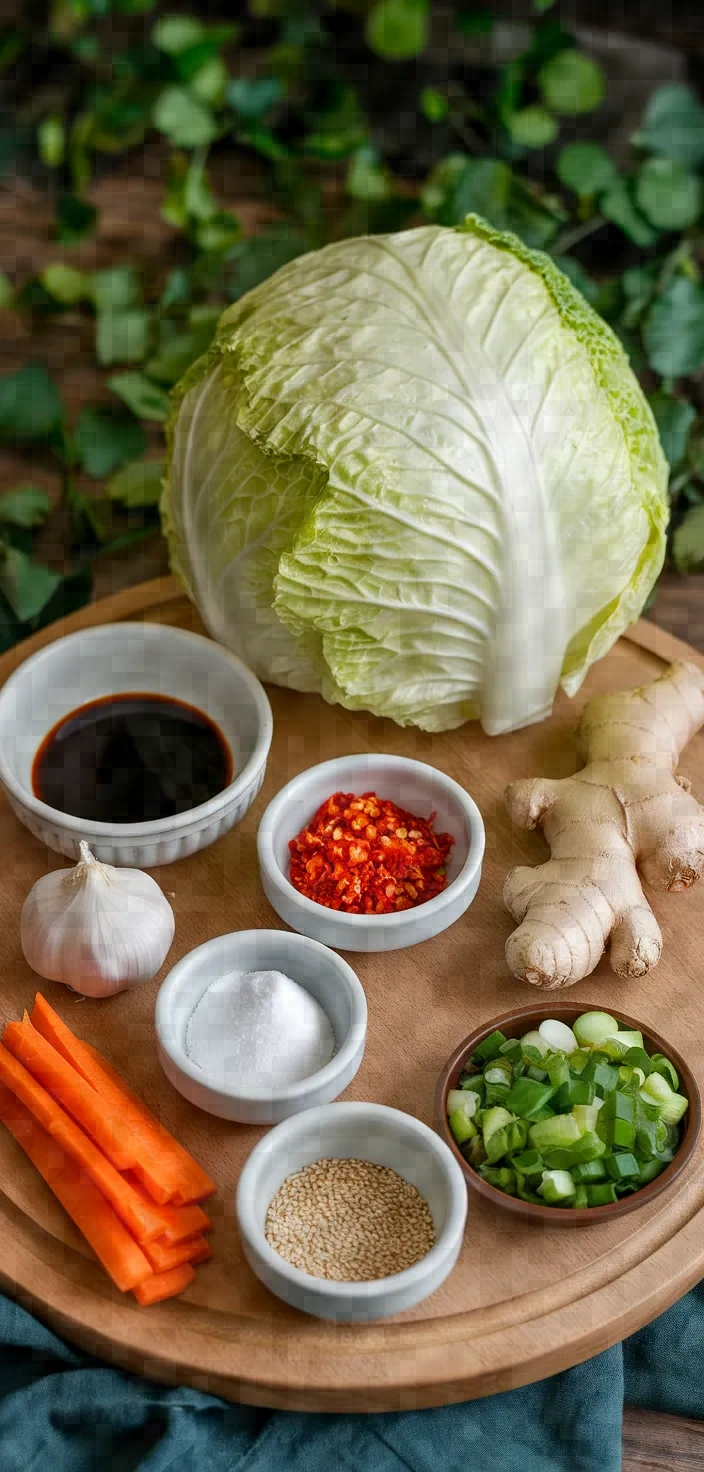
(527,1097)
(561,1159)
(672,1139)
(638,1058)
(602,1075)
(575,1091)
(616,1122)
(618,1134)
(660,1064)
(503,1178)
(578,1059)
(498,1072)
(630,1078)
(618,1106)
(592,1027)
(558,1035)
(650,1137)
(489,1048)
(496,1094)
(557,1069)
(461,1099)
(587,1147)
(589,1171)
(517,1135)
(529,1163)
(647,1107)
(650,1170)
(529,1196)
(545,1113)
(586,1115)
(497,1145)
(553,1134)
(505,1140)
(533,1043)
(617,1046)
(474,1151)
(601,1195)
(672,1106)
(463,1128)
(493,1120)
(556,1187)
(569,1121)
(623,1166)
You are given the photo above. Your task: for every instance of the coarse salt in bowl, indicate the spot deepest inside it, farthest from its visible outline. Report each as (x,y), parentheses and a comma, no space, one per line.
(329,979)
(414,786)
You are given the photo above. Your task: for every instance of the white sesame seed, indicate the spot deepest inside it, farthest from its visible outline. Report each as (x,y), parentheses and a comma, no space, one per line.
(349,1221)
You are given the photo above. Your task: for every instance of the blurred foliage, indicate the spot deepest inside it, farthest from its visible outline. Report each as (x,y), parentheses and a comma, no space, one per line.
(498,120)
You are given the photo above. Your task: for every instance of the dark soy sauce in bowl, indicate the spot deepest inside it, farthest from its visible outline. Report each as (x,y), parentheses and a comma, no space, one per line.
(131,759)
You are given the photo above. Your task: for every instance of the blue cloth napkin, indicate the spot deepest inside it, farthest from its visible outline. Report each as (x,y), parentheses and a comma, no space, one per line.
(61,1411)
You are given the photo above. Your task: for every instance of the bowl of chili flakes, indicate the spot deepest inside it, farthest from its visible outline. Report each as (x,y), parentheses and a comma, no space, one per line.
(371,852)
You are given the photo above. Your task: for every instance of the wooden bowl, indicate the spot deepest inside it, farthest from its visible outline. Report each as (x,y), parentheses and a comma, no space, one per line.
(515,1024)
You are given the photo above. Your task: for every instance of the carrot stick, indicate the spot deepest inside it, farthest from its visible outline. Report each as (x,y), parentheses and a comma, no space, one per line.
(195,1249)
(196,1184)
(192,1182)
(164,1285)
(112,1244)
(180,1222)
(143,1218)
(203,1254)
(100,1118)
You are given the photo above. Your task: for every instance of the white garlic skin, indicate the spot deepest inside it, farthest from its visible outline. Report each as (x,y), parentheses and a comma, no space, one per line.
(97,929)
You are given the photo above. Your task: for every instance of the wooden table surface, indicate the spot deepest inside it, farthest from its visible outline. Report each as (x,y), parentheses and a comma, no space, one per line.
(522,1302)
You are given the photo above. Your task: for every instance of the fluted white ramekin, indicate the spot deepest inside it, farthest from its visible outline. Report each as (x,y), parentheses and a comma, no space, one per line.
(117,659)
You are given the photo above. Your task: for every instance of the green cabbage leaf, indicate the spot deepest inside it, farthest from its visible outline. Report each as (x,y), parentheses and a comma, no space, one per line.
(416,473)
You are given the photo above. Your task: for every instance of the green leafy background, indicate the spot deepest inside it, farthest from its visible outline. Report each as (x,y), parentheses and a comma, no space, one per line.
(343,117)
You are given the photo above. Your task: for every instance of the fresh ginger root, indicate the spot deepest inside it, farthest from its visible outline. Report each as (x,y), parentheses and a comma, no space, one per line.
(625,813)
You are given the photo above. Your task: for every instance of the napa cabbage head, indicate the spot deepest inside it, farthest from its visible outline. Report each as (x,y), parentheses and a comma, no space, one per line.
(415,473)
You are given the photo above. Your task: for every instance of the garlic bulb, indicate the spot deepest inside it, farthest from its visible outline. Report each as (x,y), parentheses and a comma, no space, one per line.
(95,928)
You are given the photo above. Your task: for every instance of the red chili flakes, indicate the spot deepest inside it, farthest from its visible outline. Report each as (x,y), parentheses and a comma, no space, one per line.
(368,857)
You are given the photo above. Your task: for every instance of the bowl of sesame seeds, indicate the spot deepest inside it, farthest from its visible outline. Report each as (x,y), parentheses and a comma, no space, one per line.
(352,1212)
(371,852)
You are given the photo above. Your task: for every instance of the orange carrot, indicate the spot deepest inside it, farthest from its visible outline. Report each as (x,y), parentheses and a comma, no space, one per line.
(196,1184)
(164,1285)
(100,1118)
(180,1222)
(203,1254)
(192,1183)
(143,1218)
(71,1092)
(195,1249)
(112,1244)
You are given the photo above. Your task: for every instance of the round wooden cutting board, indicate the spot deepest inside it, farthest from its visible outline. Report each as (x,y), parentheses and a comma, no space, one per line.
(524,1301)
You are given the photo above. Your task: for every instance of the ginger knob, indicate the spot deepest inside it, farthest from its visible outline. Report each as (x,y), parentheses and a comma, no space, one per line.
(624,817)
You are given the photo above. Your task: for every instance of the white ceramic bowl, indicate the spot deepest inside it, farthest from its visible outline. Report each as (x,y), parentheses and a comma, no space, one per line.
(367,1132)
(117,659)
(419,789)
(326,976)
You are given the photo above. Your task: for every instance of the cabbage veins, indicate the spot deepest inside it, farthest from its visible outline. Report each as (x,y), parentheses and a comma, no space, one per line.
(416,473)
